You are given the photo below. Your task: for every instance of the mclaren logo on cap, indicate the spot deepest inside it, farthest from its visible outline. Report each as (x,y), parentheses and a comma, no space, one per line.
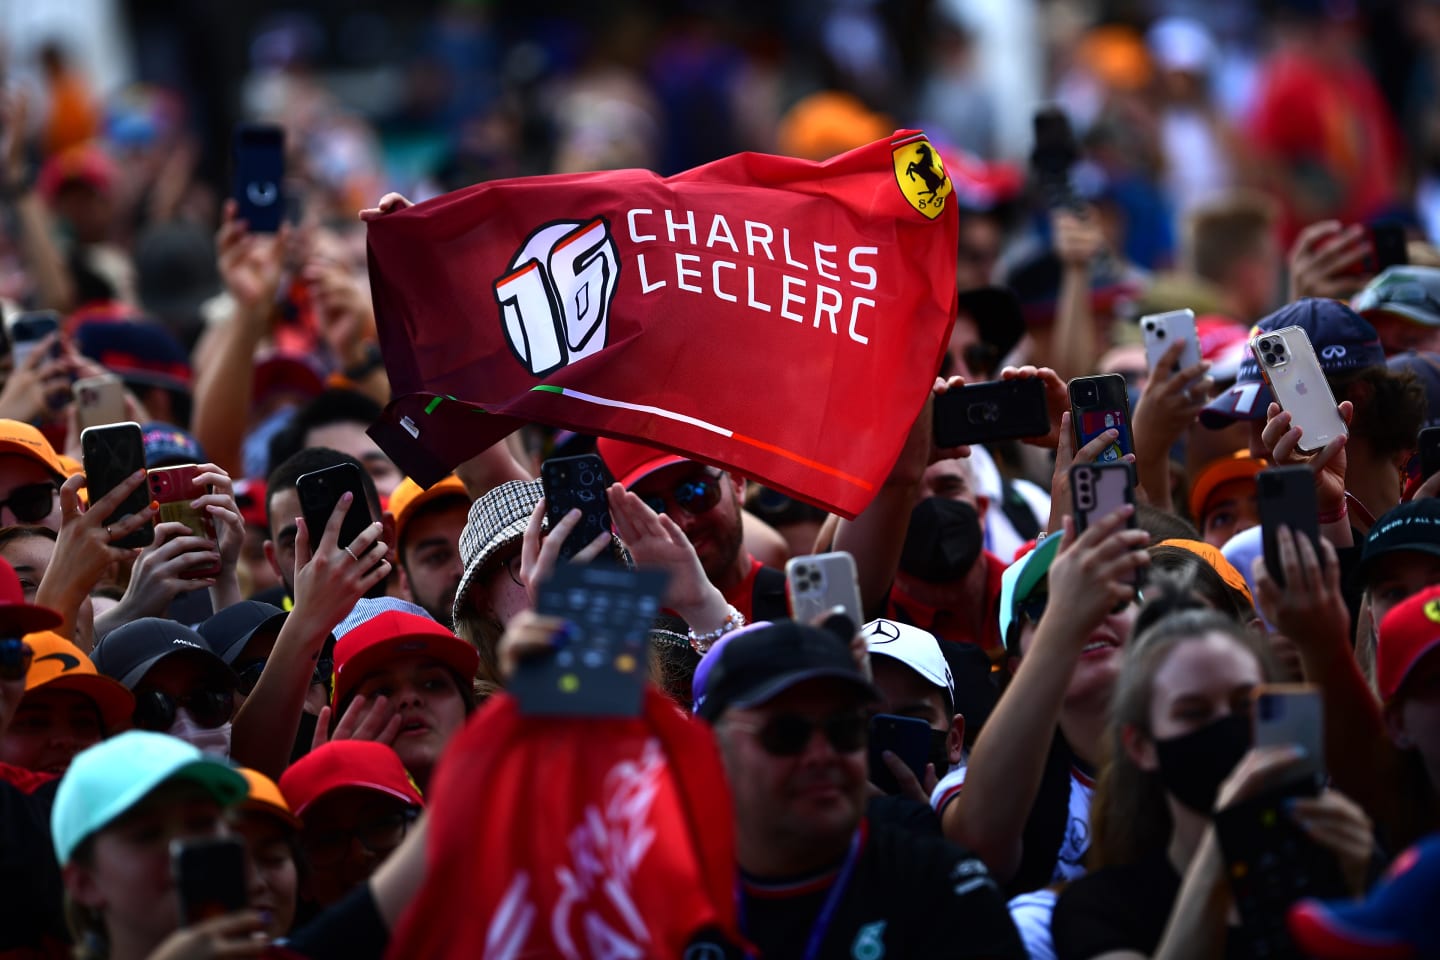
(1432,611)
(186,643)
(67,661)
(555,297)
(921,175)
(882,631)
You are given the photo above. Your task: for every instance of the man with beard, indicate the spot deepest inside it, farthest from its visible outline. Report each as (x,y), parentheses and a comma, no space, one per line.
(427,538)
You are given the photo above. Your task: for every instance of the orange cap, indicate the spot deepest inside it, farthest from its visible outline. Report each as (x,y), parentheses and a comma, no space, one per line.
(409,497)
(1216,559)
(1237,466)
(60,665)
(25,440)
(265,797)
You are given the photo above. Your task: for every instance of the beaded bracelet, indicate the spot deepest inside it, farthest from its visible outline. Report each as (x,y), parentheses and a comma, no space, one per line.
(701,642)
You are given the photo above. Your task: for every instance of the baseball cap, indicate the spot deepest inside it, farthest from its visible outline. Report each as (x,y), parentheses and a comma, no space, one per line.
(166,445)
(393,634)
(999,321)
(1426,368)
(127,653)
(83,163)
(1238,466)
(1396,919)
(18,616)
(757,666)
(1342,339)
(915,648)
(138,351)
(1413,526)
(24,440)
(1212,555)
(496,521)
(265,797)
(60,665)
(346,765)
(107,780)
(1019,580)
(1409,631)
(1224,343)
(368,608)
(250,498)
(629,463)
(1405,291)
(407,499)
(228,632)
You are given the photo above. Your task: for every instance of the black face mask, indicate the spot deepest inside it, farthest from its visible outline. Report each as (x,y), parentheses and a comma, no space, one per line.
(943,541)
(940,751)
(1193,766)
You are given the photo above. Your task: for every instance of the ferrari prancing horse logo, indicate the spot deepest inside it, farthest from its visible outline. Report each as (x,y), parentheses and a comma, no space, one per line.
(921,175)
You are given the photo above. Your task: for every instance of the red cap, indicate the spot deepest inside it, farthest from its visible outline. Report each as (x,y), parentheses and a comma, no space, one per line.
(346,765)
(18,616)
(1409,631)
(250,497)
(629,463)
(395,634)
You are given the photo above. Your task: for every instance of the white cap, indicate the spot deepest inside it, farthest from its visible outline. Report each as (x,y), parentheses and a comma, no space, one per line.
(916,648)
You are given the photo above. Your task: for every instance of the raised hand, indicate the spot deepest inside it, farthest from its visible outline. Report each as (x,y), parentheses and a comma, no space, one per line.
(654,540)
(1057,399)
(251,264)
(1323,258)
(330,579)
(364,719)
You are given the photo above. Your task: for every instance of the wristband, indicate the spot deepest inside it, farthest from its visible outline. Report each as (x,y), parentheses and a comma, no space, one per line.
(1335,517)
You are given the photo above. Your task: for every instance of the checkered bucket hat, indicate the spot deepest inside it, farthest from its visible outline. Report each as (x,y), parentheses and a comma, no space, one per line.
(496,521)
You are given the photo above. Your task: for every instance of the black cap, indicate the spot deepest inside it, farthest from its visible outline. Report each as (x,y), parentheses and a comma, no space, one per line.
(1413,526)
(127,653)
(757,665)
(229,631)
(998,318)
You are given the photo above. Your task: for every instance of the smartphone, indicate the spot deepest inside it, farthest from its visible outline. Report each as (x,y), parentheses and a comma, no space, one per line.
(1287,496)
(258,154)
(1292,714)
(1387,246)
(173,488)
(906,737)
(600,670)
(1098,490)
(1428,447)
(99,400)
(820,582)
(990,411)
(1098,404)
(209,878)
(577,483)
(1160,331)
(319,492)
(28,329)
(1055,152)
(1296,379)
(111,454)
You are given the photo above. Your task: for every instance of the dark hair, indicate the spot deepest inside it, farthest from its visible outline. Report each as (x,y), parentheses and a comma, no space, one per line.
(1129,818)
(1390,406)
(309,460)
(1202,580)
(25,532)
(331,406)
(1162,525)
(673,660)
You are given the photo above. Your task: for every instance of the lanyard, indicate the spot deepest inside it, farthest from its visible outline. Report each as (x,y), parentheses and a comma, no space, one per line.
(832,902)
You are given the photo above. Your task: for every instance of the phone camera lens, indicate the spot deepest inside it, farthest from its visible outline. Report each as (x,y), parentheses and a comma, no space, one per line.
(1159,334)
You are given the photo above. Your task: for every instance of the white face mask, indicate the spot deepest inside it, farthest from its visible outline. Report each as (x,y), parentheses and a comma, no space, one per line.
(213,740)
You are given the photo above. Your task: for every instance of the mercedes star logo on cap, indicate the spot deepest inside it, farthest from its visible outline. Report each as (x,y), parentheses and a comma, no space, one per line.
(883,631)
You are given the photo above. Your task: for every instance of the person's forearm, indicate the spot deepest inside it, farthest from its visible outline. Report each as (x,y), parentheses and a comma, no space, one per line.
(1198,922)
(875,539)
(1152,472)
(53,288)
(1006,766)
(1072,348)
(488,469)
(225,592)
(223,391)
(64,598)
(264,731)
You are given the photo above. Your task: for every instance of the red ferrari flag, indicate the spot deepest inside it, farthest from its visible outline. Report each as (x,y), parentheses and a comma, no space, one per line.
(774,316)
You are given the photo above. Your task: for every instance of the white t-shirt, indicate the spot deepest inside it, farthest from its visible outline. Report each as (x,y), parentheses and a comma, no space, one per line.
(1031,913)
(1070,864)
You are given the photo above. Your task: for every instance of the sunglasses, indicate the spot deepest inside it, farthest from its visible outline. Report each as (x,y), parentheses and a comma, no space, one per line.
(379,837)
(155,709)
(31,503)
(695,496)
(15,657)
(787,734)
(1032,608)
(249,675)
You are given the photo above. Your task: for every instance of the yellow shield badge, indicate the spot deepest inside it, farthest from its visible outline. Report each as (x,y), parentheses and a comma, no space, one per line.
(921,175)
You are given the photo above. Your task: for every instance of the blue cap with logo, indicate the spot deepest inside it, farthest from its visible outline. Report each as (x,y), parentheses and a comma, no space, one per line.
(1343,341)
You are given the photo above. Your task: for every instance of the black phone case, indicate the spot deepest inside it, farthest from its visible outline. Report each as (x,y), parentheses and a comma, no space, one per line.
(110,455)
(1387,244)
(906,737)
(600,671)
(259,189)
(321,490)
(1110,398)
(577,483)
(1428,444)
(987,412)
(210,879)
(1287,496)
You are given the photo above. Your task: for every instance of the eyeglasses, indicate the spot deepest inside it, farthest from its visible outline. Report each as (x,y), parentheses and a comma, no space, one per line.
(155,709)
(249,675)
(787,734)
(379,837)
(31,503)
(695,495)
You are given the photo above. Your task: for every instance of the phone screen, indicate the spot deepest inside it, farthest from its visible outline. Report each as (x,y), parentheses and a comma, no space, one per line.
(1095,422)
(259,158)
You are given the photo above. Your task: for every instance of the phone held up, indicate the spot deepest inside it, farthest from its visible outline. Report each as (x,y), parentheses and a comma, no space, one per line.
(1161,331)
(1098,404)
(906,737)
(174,489)
(821,582)
(320,491)
(1298,382)
(577,483)
(111,454)
(991,411)
(1287,498)
(258,155)
(209,878)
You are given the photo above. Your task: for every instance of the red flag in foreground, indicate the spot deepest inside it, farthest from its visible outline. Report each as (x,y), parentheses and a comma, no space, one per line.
(778,317)
(568,839)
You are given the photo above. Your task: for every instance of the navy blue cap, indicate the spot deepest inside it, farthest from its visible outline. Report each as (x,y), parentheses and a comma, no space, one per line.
(1343,341)
(231,630)
(127,653)
(755,666)
(137,351)
(166,445)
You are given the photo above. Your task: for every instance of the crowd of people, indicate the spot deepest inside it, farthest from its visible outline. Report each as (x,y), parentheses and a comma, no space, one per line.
(332,712)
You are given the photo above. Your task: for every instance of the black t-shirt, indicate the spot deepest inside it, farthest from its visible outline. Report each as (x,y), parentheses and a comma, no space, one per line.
(30,907)
(908,896)
(1119,908)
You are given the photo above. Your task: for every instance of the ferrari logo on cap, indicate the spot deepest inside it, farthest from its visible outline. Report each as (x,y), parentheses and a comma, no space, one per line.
(1432,611)
(921,175)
